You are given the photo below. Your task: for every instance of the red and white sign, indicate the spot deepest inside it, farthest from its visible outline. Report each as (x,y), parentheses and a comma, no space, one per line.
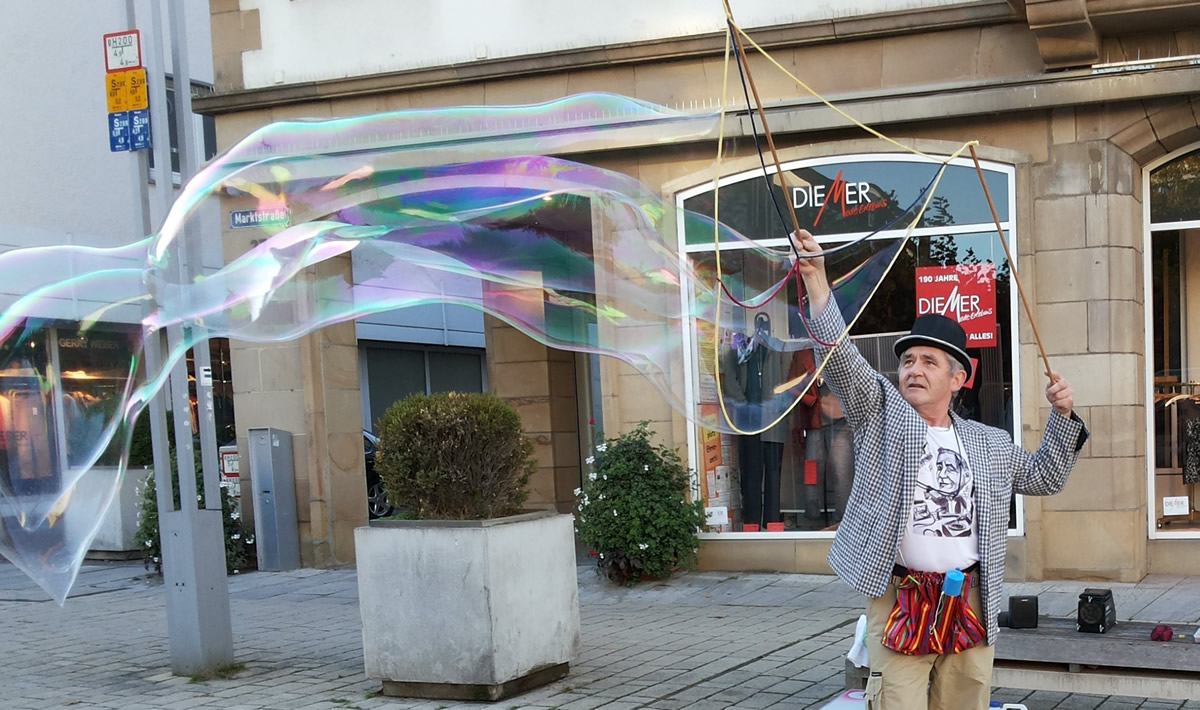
(230,462)
(231,476)
(122,51)
(965,293)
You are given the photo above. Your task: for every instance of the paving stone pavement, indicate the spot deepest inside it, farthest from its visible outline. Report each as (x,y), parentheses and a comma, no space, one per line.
(705,641)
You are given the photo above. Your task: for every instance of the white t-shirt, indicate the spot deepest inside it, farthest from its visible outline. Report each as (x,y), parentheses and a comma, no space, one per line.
(942,532)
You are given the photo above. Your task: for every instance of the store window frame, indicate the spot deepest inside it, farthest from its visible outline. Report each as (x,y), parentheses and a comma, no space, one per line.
(1009,225)
(207,135)
(1149,229)
(425,351)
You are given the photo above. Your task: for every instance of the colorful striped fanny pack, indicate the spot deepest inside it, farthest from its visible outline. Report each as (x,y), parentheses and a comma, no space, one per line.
(926,621)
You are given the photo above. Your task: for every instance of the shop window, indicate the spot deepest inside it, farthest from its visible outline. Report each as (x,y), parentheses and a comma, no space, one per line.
(93,366)
(799,473)
(42,433)
(27,422)
(60,388)
(1174,340)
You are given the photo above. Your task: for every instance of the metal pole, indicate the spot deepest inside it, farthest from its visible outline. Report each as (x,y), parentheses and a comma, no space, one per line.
(199,628)
(193,247)
(151,343)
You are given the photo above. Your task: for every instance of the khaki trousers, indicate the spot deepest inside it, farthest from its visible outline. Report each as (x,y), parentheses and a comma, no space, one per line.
(957,681)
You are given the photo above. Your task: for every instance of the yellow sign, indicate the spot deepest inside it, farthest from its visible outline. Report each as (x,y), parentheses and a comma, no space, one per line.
(127,90)
(710,440)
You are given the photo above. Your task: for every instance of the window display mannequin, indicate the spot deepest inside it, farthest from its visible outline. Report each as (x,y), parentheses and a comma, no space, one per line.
(750,373)
(828,447)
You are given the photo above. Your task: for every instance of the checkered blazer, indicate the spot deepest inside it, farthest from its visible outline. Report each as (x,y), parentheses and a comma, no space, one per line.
(889,437)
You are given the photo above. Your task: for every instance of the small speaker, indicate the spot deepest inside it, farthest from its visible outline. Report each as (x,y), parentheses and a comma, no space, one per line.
(1023,612)
(1097,612)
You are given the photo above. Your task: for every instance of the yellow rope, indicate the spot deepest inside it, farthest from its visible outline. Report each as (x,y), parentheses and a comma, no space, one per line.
(824,100)
(716,350)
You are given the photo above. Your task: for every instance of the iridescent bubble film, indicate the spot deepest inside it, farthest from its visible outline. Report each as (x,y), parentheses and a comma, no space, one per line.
(460,206)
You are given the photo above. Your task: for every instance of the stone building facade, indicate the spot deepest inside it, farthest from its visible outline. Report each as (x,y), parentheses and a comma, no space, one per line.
(1075,104)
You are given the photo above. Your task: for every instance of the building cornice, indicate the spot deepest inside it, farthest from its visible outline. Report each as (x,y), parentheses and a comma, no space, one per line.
(947,102)
(1131,82)
(921,20)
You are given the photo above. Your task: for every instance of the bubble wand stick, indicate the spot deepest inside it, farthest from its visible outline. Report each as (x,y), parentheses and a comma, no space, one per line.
(1012,266)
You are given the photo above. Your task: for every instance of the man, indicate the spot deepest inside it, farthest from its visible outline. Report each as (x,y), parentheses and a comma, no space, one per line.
(931,494)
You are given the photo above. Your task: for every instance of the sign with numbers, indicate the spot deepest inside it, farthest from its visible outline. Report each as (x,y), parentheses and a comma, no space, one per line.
(122,50)
(118,132)
(126,90)
(139,129)
(966,293)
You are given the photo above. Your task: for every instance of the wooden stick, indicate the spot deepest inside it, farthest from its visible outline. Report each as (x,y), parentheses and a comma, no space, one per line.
(1012,265)
(741,50)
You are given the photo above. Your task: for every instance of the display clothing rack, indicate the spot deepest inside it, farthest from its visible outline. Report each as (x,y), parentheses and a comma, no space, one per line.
(1177,445)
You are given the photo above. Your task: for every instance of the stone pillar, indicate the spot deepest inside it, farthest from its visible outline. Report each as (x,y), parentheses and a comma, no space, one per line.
(337,476)
(539,382)
(1084,261)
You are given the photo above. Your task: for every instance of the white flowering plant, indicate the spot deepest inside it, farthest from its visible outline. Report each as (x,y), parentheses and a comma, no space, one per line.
(239,544)
(633,511)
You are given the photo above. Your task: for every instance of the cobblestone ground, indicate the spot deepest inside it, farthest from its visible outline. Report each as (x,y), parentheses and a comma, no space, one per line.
(698,641)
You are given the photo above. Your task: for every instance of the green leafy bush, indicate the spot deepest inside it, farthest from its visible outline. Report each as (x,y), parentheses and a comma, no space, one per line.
(239,553)
(634,512)
(454,456)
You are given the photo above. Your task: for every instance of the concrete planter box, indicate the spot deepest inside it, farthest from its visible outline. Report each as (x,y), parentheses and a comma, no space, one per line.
(468,610)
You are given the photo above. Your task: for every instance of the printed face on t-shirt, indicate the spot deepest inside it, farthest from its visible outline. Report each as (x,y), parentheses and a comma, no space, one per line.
(948,476)
(943,504)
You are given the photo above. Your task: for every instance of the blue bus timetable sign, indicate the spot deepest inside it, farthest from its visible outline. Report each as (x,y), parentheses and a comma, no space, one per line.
(139,129)
(245,219)
(118,131)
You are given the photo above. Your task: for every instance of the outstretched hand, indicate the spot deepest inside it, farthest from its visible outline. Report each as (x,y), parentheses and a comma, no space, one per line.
(805,243)
(812,269)
(1060,395)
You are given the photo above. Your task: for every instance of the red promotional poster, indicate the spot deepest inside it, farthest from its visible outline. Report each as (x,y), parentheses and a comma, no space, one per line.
(965,293)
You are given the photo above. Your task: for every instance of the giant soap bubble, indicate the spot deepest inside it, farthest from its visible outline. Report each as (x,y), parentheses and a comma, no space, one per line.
(386,212)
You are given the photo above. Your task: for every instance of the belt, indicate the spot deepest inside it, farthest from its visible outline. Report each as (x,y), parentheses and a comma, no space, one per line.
(900,572)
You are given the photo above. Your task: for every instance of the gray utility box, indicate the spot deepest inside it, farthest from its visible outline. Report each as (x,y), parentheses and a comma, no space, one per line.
(276,530)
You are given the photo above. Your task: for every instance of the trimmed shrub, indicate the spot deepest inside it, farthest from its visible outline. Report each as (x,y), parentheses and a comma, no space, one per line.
(454,456)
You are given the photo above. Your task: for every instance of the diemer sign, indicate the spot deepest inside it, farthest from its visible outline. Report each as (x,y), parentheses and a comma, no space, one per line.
(853,198)
(965,293)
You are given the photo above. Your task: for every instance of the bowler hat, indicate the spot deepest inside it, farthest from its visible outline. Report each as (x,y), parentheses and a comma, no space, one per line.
(938,331)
